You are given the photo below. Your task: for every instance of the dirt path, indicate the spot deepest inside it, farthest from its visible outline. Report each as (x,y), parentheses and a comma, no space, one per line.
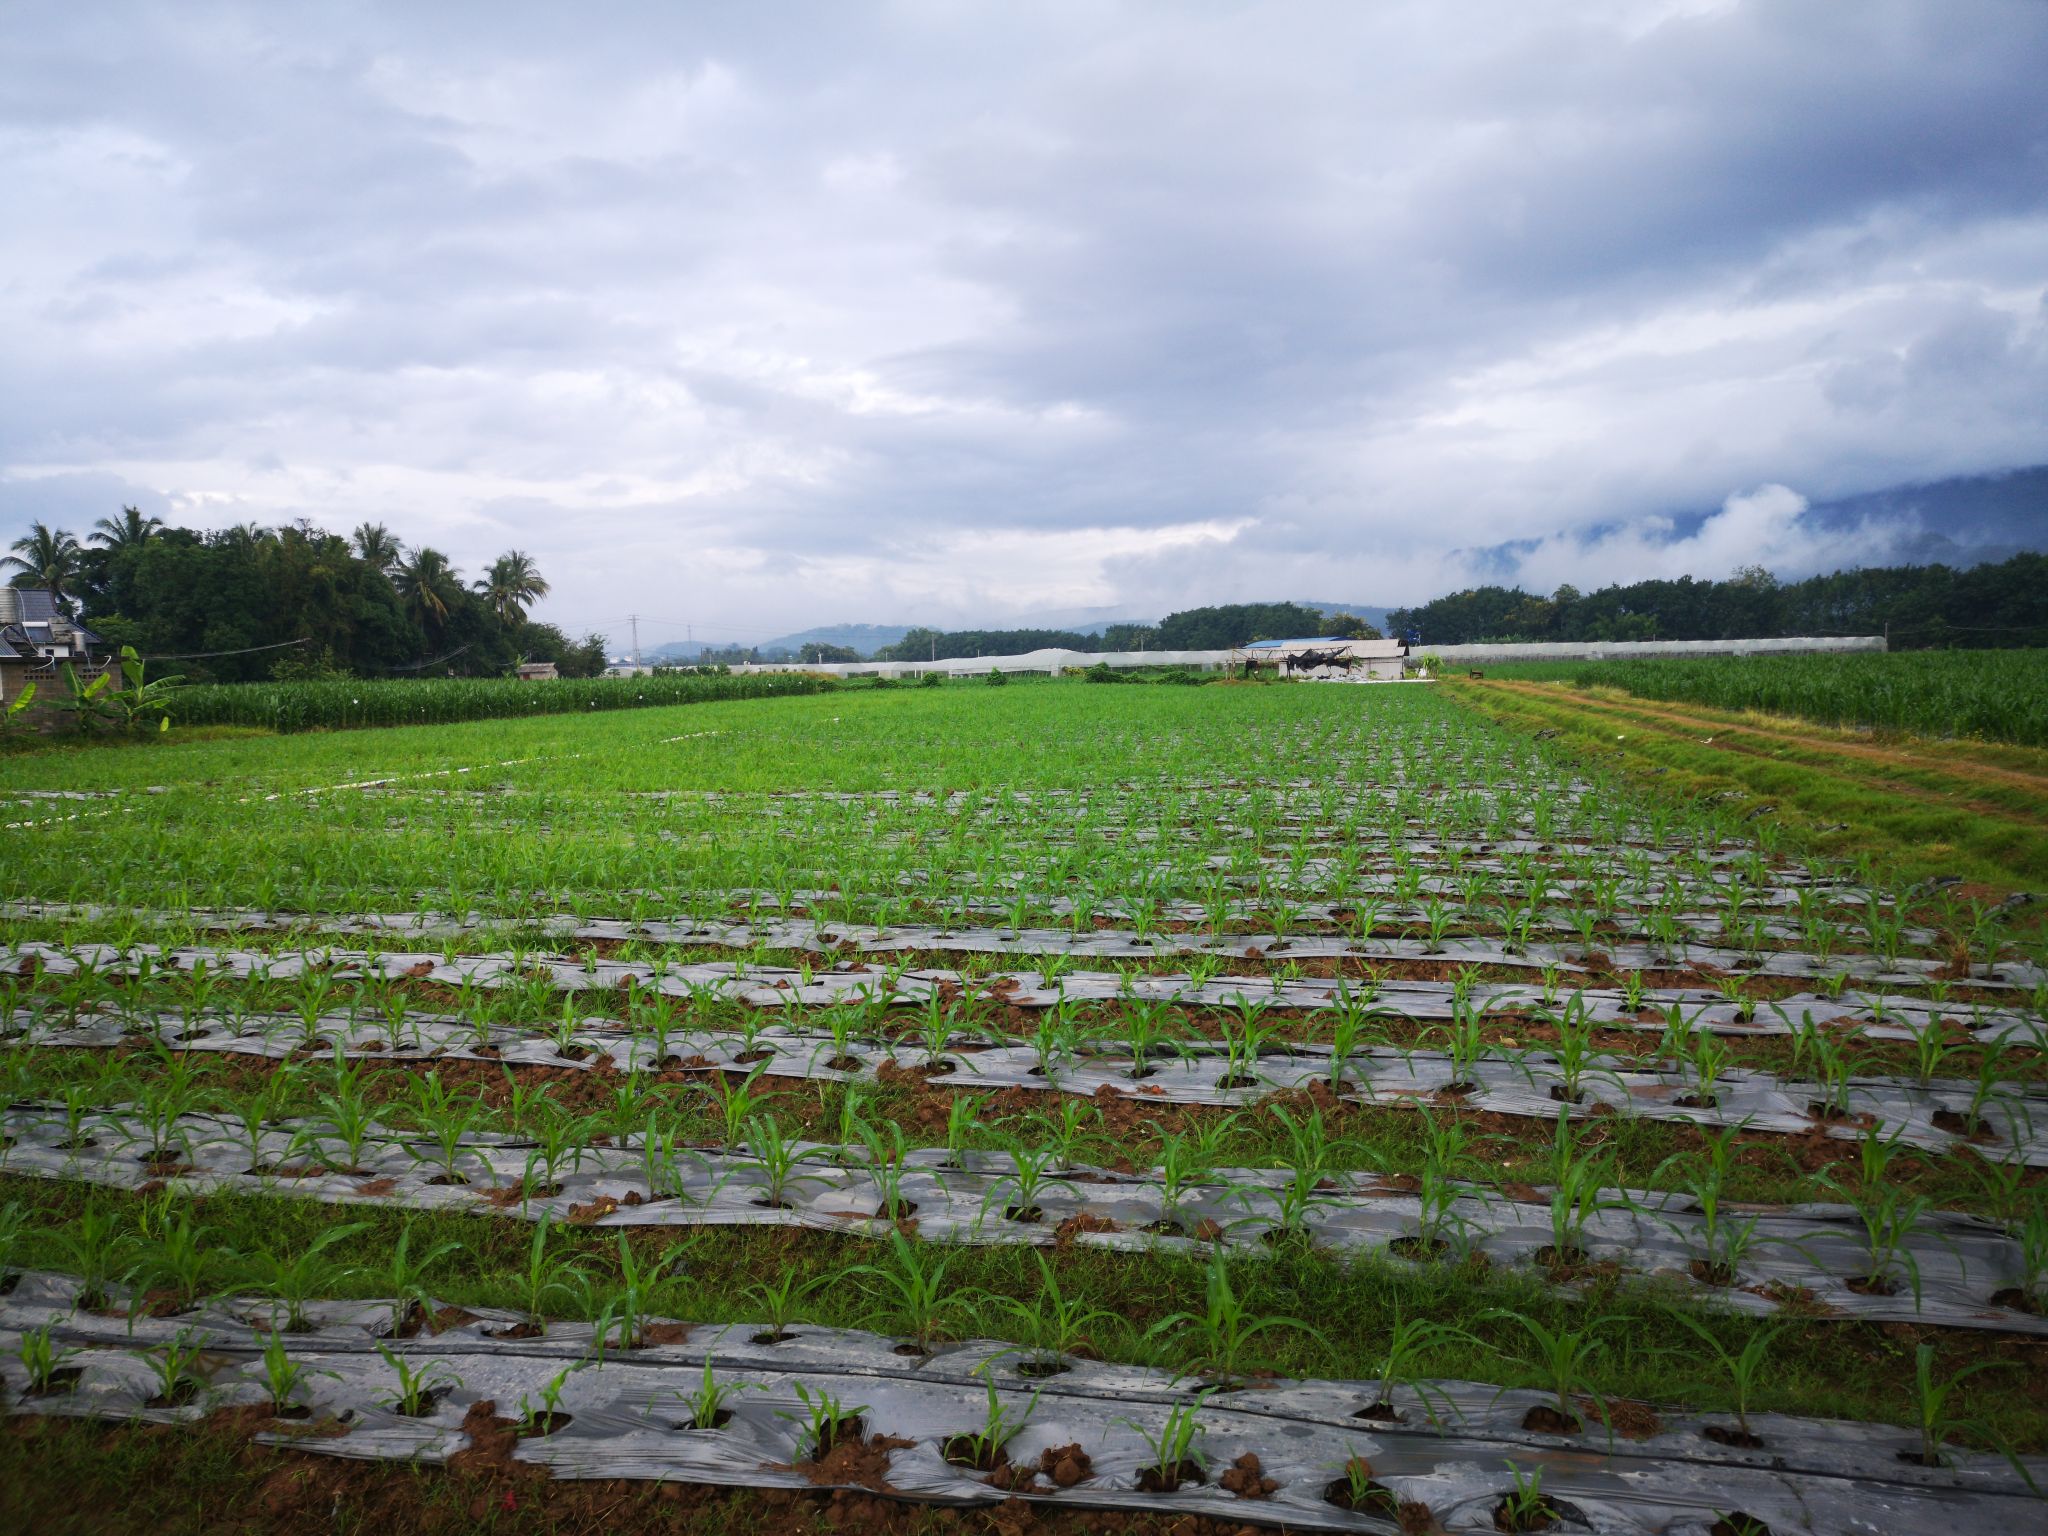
(1848,755)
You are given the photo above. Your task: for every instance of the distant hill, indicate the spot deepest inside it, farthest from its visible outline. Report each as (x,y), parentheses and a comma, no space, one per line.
(865,638)
(1376,617)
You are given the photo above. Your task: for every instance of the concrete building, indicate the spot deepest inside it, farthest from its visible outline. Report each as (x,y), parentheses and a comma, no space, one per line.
(36,639)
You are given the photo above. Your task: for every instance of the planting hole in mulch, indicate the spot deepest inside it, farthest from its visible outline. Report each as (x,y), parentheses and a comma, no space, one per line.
(762,1202)
(971,1451)
(183,1391)
(1240,1080)
(62,1379)
(1381,1412)
(449,1181)
(1736,1439)
(1246,1478)
(1039,1367)
(846,1064)
(1717,1273)
(1544,1513)
(718,1421)
(2019,1299)
(1158,1479)
(1557,1093)
(292,1411)
(771,1336)
(1544,1419)
(1023,1213)
(1419,1249)
(1736,1523)
(1697,1101)
(525,1330)
(1873,1285)
(542,1424)
(1357,1492)
(424,1405)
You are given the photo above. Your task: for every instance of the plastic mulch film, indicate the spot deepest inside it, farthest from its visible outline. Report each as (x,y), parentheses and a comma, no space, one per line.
(1812,1258)
(799,933)
(2011,1120)
(1881,1016)
(613,1411)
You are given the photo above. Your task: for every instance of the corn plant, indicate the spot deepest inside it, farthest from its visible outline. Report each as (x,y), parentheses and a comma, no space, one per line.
(1050,1324)
(1220,1334)
(983,1447)
(707,1401)
(779,1157)
(405,1276)
(1935,1425)
(173,1364)
(283,1377)
(543,1415)
(822,1423)
(43,1359)
(1744,1369)
(545,1275)
(1406,1345)
(419,1388)
(294,1283)
(1177,1447)
(912,1287)
(1567,1360)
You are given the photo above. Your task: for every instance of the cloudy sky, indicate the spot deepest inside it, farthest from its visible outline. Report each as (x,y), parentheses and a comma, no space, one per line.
(757,316)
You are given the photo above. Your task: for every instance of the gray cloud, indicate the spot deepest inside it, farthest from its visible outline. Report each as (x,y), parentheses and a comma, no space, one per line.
(760,316)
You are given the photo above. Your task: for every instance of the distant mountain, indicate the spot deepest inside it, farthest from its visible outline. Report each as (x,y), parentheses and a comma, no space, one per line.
(1971,520)
(1376,617)
(865,638)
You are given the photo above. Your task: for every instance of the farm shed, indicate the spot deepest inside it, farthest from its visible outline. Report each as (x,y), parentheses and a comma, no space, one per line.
(537,672)
(1324,657)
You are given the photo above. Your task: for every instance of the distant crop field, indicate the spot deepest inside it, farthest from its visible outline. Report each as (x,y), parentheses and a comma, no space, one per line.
(1991,695)
(355,702)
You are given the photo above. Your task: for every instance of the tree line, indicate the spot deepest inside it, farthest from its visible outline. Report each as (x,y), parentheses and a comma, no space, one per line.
(1918,607)
(250,602)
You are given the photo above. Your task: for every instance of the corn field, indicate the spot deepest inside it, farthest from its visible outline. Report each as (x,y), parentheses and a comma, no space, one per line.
(1989,695)
(349,702)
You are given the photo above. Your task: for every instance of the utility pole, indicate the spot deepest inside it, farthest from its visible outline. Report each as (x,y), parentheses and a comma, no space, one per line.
(634,620)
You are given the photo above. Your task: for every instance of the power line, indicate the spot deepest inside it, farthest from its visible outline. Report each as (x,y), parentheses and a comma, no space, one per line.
(246,651)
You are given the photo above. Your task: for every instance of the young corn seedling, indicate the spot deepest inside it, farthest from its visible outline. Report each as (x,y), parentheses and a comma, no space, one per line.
(172,1363)
(443,1118)
(295,1283)
(1025,1182)
(1525,1507)
(405,1280)
(1219,1336)
(707,1401)
(541,1414)
(1580,1181)
(778,1156)
(1407,1344)
(911,1288)
(1567,1359)
(888,1162)
(1744,1370)
(1177,1446)
(985,1447)
(419,1389)
(545,1275)
(43,1360)
(822,1423)
(1936,1424)
(284,1377)
(1050,1325)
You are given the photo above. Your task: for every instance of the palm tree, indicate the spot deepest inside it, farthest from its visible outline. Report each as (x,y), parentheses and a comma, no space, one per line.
(427,584)
(45,557)
(514,582)
(377,548)
(131,530)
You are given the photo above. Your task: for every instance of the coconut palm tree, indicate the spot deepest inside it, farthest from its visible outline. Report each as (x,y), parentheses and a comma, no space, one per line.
(45,557)
(378,548)
(131,530)
(428,585)
(513,583)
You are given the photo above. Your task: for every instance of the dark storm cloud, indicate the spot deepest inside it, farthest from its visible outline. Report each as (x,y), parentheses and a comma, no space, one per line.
(756,315)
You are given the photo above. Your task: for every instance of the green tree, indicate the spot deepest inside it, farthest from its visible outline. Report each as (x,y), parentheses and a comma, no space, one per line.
(430,588)
(46,557)
(131,530)
(512,583)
